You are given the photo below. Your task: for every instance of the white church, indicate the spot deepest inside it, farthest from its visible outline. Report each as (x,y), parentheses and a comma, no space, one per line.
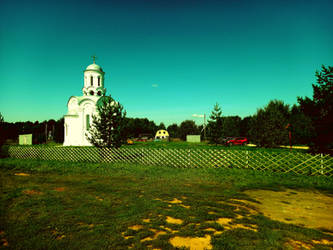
(81,108)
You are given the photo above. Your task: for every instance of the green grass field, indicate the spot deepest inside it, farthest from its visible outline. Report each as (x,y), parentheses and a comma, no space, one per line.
(206,145)
(59,205)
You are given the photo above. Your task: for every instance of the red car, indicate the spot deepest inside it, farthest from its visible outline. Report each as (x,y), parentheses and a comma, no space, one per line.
(237,141)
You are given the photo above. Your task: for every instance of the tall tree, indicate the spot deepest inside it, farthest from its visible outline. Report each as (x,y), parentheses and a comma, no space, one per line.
(187,127)
(231,126)
(320,110)
(301,127)
(161,126)
(215,124)
(173,130)
(107,126)
(134,127)
(59,131)
(268,125)
(245,126)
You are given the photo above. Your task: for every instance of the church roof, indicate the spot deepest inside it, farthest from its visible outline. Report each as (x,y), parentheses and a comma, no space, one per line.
(81,99)
(95,67)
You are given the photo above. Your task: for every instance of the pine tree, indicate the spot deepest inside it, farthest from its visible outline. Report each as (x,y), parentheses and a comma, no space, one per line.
(268,125)
(107,127)
(320,110)
(215,124)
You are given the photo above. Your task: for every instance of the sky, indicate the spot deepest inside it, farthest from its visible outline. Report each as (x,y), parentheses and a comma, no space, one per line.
(164,60)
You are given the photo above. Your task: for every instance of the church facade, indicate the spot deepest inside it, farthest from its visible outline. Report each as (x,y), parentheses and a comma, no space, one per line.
(78,119)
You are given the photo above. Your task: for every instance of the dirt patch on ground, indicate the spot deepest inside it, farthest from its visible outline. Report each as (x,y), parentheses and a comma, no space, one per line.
(323,242)
(136,227)
(126,237)
(196,243)
(99,198)
(295,244)
(59,189)
(227,225)
(305,208)
(213,230)
(175,201)
(32,192)
(173,220)
(157,233)
(241,226)
(223,221)
(169,229)
(21,174)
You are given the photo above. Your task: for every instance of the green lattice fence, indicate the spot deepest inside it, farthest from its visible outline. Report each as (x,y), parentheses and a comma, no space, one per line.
(287,162)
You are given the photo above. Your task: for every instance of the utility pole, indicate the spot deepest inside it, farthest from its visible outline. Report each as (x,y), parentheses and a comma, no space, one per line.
(204,127)
(204,124)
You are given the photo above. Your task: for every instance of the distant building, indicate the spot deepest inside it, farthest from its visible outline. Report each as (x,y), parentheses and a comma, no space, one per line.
(81,108)
(25,139)
(162,135)
(193,138)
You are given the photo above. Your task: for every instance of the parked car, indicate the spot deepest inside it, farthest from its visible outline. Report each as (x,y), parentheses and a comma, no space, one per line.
(144,137)
(236,141)
(223,140)
(130,141)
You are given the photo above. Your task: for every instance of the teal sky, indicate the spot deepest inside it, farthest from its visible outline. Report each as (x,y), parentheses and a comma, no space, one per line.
(164,60)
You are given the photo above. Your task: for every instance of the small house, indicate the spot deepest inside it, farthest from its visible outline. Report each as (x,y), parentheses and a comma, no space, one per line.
(162,135)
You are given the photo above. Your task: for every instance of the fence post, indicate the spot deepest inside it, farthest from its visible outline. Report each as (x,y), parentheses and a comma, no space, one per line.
(189,158)
(247,159)
(142,156)
(321,164)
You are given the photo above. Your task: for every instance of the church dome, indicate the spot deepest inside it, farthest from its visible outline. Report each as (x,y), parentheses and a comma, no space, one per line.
(94,67)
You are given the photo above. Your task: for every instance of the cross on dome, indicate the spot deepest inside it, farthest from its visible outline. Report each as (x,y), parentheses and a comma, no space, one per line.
(94,58)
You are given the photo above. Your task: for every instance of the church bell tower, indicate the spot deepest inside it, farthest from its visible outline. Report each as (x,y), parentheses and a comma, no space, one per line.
(93,80)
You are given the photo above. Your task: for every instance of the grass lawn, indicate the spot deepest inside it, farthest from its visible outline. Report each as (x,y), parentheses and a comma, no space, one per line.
(59,205)
(206,145)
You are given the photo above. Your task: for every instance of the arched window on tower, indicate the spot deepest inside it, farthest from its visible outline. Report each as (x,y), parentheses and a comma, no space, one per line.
(87,122)
(91,80)
(99,81)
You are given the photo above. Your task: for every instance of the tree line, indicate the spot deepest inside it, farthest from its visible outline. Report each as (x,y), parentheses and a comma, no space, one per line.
(42,131)
(133,128)
(266,127)
(309,122)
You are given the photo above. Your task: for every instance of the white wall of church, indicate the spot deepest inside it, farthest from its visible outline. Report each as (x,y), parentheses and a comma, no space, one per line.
(72,131)
(87,117)
(78,121)
(81,109)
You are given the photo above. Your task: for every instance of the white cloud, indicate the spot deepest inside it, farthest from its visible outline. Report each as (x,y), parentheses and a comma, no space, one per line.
(195,115)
